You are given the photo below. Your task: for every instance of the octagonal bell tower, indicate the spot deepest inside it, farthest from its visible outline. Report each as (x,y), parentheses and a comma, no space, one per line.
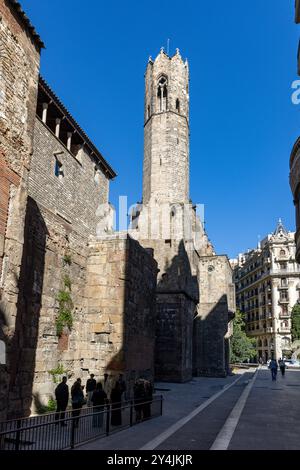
(166,135)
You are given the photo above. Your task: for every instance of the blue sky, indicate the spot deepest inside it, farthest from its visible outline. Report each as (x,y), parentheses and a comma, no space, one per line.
(242,58)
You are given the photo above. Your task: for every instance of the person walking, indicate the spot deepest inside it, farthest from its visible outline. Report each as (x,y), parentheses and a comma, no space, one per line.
(90,388)
(98,399)
(282,367)
(273,366)
(62,398)
(77,400)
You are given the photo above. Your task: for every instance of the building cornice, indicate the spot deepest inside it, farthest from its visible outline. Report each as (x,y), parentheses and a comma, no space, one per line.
(25,21)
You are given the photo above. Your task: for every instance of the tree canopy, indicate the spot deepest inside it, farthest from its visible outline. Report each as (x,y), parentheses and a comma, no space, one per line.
(241,346)
(295,322)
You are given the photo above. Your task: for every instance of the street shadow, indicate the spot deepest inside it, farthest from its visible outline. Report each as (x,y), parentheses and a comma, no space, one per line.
(22,346)
(177,299)
(211,348)
(134,358)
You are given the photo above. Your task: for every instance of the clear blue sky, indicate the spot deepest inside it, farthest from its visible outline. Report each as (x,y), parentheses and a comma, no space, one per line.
(242,59)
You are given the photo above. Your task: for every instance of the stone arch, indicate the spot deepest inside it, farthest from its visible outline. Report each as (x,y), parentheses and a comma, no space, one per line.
(162,93)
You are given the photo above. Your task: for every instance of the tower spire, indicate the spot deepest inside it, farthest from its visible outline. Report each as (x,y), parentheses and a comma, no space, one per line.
(166,155)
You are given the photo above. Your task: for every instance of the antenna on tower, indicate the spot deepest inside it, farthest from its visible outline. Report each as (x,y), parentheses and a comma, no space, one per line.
(168,46)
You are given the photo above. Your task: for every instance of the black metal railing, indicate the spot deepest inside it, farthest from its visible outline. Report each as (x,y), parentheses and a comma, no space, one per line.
(55,431)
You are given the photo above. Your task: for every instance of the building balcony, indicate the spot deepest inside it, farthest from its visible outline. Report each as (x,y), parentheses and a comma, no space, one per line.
(282,259)
(283,287)
(283,301)
(284,315)
(284,329)
(269,329)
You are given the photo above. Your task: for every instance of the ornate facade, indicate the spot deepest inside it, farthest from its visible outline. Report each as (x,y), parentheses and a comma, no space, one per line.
(267,283)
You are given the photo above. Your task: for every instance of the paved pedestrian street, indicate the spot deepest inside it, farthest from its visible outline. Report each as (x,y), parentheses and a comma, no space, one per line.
(246,411)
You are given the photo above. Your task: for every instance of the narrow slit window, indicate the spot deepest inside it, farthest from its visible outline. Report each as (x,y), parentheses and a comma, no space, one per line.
(58,169)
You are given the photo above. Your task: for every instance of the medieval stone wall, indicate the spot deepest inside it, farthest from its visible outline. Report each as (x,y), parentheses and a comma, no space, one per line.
(61,215)
(19,67)
(215,310)
(120,293)
(76,195)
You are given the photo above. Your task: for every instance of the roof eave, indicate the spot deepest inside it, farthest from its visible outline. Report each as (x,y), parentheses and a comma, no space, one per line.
(17,8)
(110,172)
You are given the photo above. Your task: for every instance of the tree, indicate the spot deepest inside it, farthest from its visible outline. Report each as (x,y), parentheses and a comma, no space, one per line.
(295,323)
(241,346)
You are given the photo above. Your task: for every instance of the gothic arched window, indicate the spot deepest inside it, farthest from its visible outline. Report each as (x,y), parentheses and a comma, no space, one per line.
(162,94)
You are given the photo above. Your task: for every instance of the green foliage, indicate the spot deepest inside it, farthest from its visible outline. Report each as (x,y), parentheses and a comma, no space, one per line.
(51,405)
(43,409)
(59,370)
(65,317)
(67,282)
(65,298)
(67,259)
(296,322)
(242,347)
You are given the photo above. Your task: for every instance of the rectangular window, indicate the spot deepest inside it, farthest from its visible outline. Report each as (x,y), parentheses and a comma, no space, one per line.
(58,169)
(282,266)
(284,295)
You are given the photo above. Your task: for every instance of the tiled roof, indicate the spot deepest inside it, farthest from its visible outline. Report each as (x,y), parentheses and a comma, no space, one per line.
(16,6)
(80,131)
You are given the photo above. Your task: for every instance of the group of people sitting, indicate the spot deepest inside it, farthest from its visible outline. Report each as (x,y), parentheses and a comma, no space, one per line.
(98,395)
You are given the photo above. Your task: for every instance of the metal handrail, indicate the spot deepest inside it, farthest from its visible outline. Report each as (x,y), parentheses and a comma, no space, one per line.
(71,438)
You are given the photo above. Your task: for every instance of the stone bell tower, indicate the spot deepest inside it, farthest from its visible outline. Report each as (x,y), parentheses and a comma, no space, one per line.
(166,140)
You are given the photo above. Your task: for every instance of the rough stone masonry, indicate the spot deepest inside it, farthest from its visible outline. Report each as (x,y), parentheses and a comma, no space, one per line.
(75,296)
